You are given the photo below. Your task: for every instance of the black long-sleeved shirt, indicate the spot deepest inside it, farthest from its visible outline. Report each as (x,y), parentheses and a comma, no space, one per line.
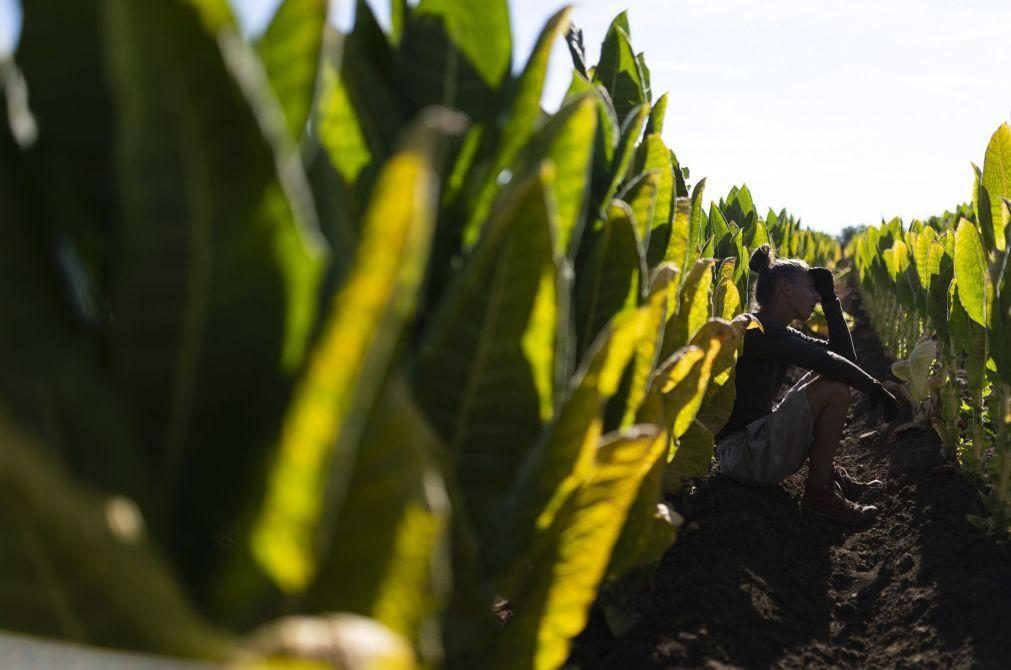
(762,365)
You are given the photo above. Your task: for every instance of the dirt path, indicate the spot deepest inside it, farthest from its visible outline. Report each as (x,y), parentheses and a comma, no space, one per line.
(754,583)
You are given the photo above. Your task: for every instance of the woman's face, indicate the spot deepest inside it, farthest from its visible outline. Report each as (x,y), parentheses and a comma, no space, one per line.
(802,296)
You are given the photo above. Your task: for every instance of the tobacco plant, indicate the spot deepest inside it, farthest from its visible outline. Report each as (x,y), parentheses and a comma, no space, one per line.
(342,337)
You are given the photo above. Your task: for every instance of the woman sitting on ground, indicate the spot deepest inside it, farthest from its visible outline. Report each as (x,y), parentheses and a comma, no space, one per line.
(764,445)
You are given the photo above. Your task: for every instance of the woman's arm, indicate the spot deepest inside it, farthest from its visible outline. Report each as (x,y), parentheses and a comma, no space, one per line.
(790,346)
(839,338)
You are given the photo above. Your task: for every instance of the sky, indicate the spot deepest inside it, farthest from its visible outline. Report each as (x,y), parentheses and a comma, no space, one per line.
(843,113)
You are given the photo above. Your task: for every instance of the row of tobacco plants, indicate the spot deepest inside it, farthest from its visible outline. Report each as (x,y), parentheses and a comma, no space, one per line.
(939,294)
(342,339)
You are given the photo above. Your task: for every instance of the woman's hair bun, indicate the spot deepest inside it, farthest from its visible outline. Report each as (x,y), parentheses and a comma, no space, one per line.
(761,258)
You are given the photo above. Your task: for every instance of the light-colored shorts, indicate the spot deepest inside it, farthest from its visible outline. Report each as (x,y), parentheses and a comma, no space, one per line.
(770,448)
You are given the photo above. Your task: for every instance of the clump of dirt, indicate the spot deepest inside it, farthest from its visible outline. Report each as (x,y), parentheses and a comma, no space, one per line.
(752,582)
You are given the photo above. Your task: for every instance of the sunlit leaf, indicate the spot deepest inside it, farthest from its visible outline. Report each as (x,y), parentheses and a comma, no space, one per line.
(631,130)
(571,557)
(350,360)
(970,272)
(455,53)
(619,70)
(395,513)
(693,310)
(726,297)
(563,458)
(997,181)
(523,114)
(487,347)
(290,51)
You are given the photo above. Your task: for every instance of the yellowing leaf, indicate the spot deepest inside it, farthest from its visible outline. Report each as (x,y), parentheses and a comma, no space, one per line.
(396,513)
(324,421)
(971,274)
(562,460)
(570,558)
(997,180)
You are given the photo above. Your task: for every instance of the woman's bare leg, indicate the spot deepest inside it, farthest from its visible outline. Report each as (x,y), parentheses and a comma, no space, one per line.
(829,401)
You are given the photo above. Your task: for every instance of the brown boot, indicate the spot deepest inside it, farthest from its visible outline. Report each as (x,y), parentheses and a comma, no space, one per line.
(829,501)
(852,488)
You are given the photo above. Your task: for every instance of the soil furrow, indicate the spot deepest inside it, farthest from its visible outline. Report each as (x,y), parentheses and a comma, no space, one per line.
(754,583)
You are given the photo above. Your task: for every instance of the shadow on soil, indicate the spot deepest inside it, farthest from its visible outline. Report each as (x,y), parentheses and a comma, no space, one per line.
(754,583)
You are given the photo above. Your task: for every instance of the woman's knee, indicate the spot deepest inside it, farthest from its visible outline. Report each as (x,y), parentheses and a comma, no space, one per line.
(826,392)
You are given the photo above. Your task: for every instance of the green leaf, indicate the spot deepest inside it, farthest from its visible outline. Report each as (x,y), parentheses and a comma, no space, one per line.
(216,296)
(756,234)
(719,340)
(679,371)
(699,385)
(897,259)
(72,125)
(647,88)
(692,457)
(726,297)
(648,349)
(718,403)
(564,457)
(618,69)
(487,348)
(77,565)
(369,72)
(977,358)
(641,195)
(680,174)
(970,272)
(455,53)
(677,246)
(396,513)
(399,11)
(338,222)
(606,141)
(290,50)
(342,136)
(571,556)
(721,232)
(568,138)
(522,117)
(653,155)
(657,116)
(922,256)
(52,380)
(981,207)
(941,267)
(997,180)
(650,530)
(697,225)
(346,367)
(744,200)
(358,117)
(693,310)
(609,280)
(959,323)
(630,132)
